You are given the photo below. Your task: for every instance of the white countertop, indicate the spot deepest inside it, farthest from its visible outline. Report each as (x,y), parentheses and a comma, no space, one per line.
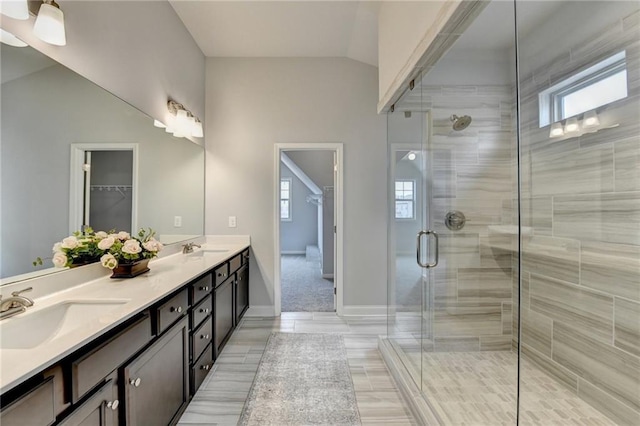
(167,274)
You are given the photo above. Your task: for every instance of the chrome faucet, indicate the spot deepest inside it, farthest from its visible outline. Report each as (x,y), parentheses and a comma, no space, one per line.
(16,304)
(188,248)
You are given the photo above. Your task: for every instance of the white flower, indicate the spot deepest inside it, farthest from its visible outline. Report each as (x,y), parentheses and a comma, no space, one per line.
(101,235)
(114,236)
(109,261)
(57,248)
(131,247)
(122,235)
(59,259)
(152,245)
(70,243)
(106,243)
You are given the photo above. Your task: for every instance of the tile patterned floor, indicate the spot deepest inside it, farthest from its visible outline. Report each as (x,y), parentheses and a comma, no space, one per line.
(221,398)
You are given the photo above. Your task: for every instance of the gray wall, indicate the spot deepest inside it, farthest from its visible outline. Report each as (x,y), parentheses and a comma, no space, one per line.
(301,230)
(138,50)
(581,197)
(253,104)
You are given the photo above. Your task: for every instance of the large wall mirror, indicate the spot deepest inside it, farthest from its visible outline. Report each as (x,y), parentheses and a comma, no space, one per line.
(49,116)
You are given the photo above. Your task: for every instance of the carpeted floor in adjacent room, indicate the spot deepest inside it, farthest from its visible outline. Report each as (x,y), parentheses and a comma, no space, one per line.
(303,288)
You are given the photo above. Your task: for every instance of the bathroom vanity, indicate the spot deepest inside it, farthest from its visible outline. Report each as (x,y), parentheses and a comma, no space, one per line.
(143,350)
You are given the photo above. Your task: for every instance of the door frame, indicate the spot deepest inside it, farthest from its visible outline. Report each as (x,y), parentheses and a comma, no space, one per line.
(338,148)
(76,179)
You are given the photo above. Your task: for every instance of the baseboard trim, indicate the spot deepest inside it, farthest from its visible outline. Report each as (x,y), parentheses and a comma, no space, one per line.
(327,276)
(293,252)
(418,405)
(261,311)
(364,310)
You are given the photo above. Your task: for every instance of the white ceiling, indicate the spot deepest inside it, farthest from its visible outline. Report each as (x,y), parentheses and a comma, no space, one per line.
(283,28)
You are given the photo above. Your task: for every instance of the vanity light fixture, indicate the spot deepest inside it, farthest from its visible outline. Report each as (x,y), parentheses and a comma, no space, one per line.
(556,130)
(7,38)
(181,122)
(159,124)
(49,26)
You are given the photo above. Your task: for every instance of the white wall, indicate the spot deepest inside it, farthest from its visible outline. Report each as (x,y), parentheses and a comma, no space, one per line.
(138,50)
(301,231)
(253,104)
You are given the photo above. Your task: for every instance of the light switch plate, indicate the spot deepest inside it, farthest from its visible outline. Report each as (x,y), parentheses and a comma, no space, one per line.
(232,221)
(177,221)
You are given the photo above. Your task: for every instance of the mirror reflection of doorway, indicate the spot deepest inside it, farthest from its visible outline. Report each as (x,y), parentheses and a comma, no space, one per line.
(307,237)
(103,181)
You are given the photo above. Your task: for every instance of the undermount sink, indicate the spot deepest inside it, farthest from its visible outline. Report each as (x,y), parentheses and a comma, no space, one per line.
(206,252)
(31,329)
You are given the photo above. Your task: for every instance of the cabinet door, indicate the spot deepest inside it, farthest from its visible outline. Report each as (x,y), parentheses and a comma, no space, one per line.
(34,408)
(242,293)
(156,382)
(223,314)
(99,410)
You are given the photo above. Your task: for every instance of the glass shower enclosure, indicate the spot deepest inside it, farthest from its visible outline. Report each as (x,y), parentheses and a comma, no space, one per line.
(514,219)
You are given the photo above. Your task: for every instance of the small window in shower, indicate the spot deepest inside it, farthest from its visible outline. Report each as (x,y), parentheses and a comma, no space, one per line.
(405,199)
(598,85)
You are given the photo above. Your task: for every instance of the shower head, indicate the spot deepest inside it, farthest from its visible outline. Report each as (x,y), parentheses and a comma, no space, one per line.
(460,123)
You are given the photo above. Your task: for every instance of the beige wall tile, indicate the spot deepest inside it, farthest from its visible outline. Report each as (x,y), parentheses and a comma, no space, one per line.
(627,326)
(553,257)
(603,264)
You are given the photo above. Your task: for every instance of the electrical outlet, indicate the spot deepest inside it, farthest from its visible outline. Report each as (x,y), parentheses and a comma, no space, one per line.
(177,221)
(232,221)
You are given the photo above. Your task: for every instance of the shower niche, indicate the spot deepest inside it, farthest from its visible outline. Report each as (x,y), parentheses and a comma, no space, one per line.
(509,302)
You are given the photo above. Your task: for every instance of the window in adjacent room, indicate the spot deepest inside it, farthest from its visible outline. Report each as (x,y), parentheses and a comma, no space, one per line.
(285,199)
(598,85)
(405,196)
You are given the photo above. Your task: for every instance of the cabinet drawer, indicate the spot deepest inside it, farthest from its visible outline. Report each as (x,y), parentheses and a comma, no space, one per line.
(200,289)
(201,368)
(94,366)
(235,263)
(34,408)
(170,311)
(100,409)
(202,337)
(202,311)
(221,273)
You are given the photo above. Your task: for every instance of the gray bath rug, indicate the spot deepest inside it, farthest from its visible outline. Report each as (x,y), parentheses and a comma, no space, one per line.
(302,379)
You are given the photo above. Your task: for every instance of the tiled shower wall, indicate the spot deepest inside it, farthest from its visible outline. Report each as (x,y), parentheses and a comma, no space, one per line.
(581,262)
(472,172)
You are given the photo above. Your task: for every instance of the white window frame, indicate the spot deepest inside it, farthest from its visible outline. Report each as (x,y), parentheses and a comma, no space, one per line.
(413,199)
(290,212)
(551,99)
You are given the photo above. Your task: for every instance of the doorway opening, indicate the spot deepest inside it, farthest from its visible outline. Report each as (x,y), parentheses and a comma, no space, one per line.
(308,248)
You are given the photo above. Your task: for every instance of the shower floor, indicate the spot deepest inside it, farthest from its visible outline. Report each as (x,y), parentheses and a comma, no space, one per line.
(479,388)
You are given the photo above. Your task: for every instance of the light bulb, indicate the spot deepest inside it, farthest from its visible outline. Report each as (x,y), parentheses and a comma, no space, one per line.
(49,26)
(159,124)
(7,38)
(590,119)
(572,125)
(182,128)
(16,9)
(411,156)
(556,130)
(197,130)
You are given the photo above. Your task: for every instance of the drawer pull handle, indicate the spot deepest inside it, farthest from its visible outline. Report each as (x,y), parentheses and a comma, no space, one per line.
(205,367)
(135,382)
(205,288)
(204,336)
(113,404)
(178,309)
(204,310)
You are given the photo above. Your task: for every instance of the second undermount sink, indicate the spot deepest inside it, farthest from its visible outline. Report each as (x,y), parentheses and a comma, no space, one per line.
(207,252)
(31,329)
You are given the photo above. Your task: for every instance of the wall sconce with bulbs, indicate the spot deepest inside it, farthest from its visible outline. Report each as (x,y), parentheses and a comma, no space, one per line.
(49,25)
(573,127)
(181,122)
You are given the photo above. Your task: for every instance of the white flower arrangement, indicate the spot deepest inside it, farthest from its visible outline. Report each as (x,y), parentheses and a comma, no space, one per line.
(110,249)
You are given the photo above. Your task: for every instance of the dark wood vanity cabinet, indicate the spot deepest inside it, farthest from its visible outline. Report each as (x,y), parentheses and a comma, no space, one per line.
(156,381)
(144,371)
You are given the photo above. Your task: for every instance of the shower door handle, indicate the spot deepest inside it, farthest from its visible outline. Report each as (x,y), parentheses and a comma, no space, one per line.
(419,249)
